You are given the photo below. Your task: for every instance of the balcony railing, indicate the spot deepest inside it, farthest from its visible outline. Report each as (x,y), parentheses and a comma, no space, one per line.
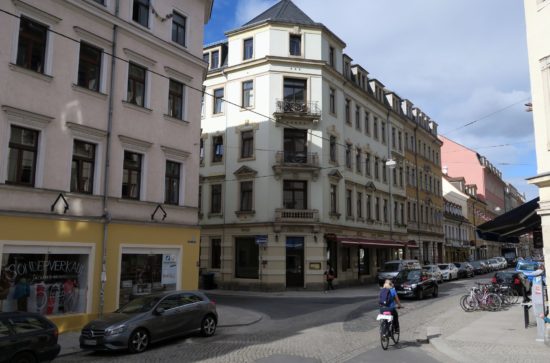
(296,215)
(309,108)
(291,157)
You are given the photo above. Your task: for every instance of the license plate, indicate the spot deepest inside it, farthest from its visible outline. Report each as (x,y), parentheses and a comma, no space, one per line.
(90,342)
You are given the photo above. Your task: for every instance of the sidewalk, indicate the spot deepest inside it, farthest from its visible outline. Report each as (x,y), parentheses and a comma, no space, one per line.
(228,317)
(492,337)
(368,290)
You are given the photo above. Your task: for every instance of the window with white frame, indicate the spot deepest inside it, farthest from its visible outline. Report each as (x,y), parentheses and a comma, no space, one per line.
(89,67)
(176,99)
(22,156)
(179,28)
(31,46)
(248,94)
(83,166)
(131,179)
(140,12)
(136,84)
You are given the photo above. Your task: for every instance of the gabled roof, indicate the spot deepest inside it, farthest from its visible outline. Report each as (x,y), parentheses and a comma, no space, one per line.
(284,11)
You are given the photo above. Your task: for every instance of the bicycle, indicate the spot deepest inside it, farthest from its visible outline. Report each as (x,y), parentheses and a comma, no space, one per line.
(480,298)
(387,329)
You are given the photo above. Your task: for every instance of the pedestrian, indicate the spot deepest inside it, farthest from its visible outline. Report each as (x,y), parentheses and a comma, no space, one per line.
(545,318)
(329,277)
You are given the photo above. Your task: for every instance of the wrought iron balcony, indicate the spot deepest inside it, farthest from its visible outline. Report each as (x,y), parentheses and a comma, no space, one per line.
(297,110)
(296,215)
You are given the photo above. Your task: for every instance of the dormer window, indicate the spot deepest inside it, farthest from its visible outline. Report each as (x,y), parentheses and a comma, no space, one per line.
(331,57)
(248,48)
(215,62)
(295,44)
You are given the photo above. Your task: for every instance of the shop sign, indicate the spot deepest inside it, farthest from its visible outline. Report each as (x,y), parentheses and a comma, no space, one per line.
(261,239)
(169,269)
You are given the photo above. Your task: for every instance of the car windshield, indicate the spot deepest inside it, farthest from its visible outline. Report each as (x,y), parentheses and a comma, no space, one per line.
(408,276)
(475,263)
(527,266)
(493,261)
(444,267)
(427,268)
(391,267)
(457,264)
(139,305)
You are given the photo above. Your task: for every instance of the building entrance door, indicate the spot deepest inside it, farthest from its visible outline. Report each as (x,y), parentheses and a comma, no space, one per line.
(295,262)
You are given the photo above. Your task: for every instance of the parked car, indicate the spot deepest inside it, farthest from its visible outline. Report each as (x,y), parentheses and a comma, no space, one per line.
(434,271)
(486,266)
(479,268)
(391,268)
(517,280)
(495,264)
(27,337)
(415,283)
(528,268)
(502,261)
(149,319)
(449,271)
(464,269)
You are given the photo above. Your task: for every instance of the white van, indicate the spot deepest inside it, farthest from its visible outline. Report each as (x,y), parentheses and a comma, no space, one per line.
(392,268)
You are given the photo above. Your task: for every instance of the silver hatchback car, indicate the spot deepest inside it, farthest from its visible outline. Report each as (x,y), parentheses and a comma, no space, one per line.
(149,319)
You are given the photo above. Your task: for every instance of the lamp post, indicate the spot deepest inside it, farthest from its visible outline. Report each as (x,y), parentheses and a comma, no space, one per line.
(391,164)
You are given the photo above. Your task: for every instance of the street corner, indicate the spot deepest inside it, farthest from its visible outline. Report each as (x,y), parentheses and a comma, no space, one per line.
(230,316)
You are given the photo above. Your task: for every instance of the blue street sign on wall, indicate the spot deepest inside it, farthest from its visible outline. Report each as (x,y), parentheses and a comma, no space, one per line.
(261,239)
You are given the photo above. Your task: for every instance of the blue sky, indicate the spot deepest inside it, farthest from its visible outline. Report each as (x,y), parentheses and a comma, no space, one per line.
(461,62)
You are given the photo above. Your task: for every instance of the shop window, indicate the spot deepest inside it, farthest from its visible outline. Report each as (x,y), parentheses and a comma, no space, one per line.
(332,254)
(346,259)
(216,253)
(246,258)
(172,183)
(131,179)
(82,170)
(31,50)
(364,261)
(146,273)
(22,156)
(45,283)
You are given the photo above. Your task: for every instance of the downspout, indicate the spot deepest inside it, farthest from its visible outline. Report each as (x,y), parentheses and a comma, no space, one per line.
(420,245)
(390,179)
(106,215)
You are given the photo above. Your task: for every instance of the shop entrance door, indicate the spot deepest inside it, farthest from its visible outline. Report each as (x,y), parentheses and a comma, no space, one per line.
(295,262)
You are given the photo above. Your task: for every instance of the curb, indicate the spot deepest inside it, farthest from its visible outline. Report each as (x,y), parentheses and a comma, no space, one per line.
(243,324)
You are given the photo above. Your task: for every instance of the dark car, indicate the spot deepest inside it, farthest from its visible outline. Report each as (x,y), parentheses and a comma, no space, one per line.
(149,319)
(415,283)
(27,337)
(464,269)
(517,280)
(479,267)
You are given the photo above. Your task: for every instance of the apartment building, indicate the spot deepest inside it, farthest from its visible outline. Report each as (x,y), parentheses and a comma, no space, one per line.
(302,159)
(537,20)
(459,232)
(99,129)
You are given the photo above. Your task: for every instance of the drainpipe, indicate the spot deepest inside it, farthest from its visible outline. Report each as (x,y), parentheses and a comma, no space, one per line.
(390,207)
(420,245)
(106,214)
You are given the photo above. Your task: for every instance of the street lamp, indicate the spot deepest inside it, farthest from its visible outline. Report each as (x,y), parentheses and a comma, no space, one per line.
(391,164)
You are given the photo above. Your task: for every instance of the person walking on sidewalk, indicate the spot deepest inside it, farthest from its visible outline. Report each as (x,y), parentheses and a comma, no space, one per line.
(387,300)
(329,277)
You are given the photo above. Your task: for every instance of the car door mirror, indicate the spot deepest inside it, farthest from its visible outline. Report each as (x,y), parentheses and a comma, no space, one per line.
(159,311)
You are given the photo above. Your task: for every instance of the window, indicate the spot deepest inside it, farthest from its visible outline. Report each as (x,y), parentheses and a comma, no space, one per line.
(82,170)
(295,146)
(294,92)
(216,253)
(394,176)
(349,208)
(218,100)
(358,160)
(348,111)
(140,12)
(246,258)
(22,156)
(136,85)
(215,198)
(384,173)
(375,127)
(367,165)
(395,212)
(364,261)
(199,207)
(102,2)
(333,149)
(206,57)
(359,205)
(401,176)
(246,196)
(201,151)
(377,208)
(31,48)
(247,144)
(248,48)
(399,142)
(346,259)
(172,183)
(175,99)
(367,126)
(385,211)
(376,169)
(178,28)
(248,94)
(217,149)
(348,156)
(402,213)
(295,194)
(89,67)
(215,63)
(332,100)
(295,44)
(393,137)
(331,56)
(358,118)
(369,207)
(383,131)
(131,179)
(333,199)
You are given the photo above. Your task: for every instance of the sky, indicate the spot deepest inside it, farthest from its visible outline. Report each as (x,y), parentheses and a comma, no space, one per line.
(464,63)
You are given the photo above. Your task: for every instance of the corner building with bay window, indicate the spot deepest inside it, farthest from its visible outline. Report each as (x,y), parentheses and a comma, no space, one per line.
(98,155)
(302,159)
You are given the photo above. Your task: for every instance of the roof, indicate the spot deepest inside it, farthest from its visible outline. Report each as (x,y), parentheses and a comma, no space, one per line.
(284,11)
(508,226)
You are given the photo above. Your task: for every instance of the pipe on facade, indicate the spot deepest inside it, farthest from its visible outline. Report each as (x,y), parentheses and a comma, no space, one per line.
(106,214)
(420,245)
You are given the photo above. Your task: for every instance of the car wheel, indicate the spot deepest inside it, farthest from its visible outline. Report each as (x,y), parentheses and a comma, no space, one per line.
(420,294)
(139,341)
(208,326)
(435,292)
(24,357)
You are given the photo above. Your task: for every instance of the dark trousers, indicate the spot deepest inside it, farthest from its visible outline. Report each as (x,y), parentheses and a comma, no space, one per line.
(329,285)
(395,316)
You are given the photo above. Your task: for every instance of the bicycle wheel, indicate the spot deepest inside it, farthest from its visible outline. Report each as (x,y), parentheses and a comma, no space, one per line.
(468,303)
(394,335)
(513,296)
(493,302)
(384,339)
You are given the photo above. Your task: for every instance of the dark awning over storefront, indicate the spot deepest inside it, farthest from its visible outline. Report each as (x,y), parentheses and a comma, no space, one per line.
(369,242)
(509,226)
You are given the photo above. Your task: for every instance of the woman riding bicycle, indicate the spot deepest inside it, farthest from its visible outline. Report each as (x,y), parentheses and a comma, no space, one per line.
(388,299)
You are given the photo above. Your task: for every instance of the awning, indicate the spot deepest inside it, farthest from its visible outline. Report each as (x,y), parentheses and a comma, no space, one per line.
(509,226)
(412,244)
(369,242)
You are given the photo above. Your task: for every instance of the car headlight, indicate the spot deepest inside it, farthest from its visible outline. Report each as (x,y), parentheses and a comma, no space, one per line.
(115,330)
(413,286)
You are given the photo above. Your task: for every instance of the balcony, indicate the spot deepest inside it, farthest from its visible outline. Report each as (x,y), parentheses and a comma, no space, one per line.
(296,215)
(295,162)
(295,111)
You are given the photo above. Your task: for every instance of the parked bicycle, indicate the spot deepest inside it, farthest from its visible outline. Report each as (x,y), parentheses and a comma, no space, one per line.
(482,298)
(387,329)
